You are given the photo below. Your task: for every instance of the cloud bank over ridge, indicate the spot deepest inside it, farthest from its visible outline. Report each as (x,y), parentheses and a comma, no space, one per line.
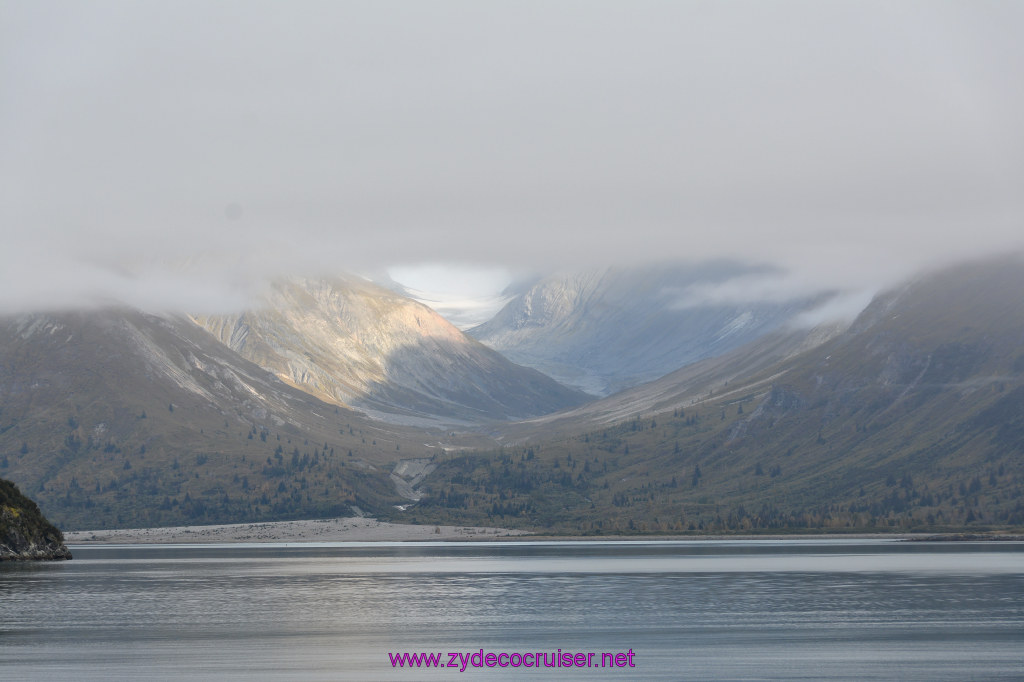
(177,155)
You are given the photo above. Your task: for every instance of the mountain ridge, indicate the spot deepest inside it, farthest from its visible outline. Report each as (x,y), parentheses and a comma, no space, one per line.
(120,417)
(909,418)
(912,418)
(349,341)
(610,329)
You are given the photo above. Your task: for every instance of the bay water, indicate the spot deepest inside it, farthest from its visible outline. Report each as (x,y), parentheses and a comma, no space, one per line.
(680,610)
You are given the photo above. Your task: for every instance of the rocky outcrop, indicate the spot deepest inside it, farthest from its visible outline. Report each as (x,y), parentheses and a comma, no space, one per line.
(25,534)
(351,342)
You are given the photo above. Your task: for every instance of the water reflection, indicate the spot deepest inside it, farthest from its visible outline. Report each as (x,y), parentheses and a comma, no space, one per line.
(820,609)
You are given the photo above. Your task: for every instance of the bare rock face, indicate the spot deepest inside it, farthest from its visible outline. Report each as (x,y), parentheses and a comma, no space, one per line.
(25,535)
(351,342)
(603,331)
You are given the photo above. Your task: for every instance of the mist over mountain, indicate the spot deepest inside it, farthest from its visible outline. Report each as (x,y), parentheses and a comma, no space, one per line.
(609,329)
(857,140)
(907,417)
(464,296)
(349,341)
(912,417)
(182,183)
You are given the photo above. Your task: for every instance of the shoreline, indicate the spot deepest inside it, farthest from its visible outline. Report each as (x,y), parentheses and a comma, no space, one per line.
(366,529)
(341,529)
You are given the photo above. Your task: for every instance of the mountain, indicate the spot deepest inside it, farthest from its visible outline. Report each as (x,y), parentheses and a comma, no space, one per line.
(687,386)
(605,330)
(25,534)
(909,418)
(912,418)
(119,418)
(351,342)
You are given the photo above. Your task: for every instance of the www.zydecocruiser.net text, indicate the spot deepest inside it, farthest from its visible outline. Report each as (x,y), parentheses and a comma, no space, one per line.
(463,660)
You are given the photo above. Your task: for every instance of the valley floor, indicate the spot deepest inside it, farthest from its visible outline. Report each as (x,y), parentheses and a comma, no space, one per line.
(351,529)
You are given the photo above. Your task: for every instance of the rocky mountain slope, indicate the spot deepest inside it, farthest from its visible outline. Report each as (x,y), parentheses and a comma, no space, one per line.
(912,418)
(605,330)
(117,417)
(25,534)
(721,376)
(352,342)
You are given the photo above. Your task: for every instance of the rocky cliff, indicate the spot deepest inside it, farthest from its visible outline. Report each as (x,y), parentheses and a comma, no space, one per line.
(25,534)
(349,341)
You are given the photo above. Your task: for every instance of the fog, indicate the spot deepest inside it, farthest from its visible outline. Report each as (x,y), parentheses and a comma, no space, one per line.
(177,155)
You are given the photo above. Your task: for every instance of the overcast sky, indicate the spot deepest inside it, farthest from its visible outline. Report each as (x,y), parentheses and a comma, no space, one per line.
(176,153)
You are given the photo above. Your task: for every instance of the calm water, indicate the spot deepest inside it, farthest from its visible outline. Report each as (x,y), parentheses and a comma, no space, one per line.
(840,610)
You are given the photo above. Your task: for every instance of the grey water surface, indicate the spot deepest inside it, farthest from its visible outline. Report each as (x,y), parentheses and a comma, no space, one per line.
(700,610)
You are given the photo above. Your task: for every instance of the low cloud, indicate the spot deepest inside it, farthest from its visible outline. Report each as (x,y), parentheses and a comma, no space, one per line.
(844,307)
(772,287)
(170,155)
(55,281)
